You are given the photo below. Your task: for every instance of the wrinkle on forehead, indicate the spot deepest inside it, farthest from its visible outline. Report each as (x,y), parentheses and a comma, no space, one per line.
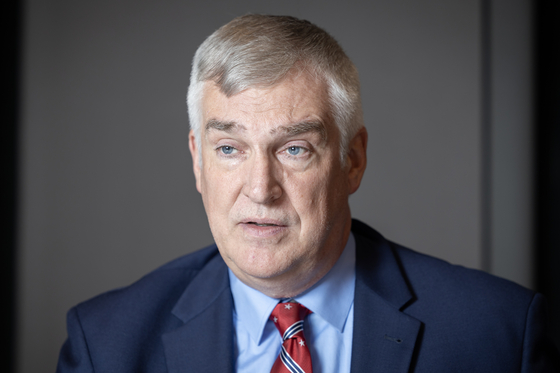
(295,77)
(263,100)
(294,106)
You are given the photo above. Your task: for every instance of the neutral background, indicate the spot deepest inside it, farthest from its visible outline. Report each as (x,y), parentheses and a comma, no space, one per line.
(107,188)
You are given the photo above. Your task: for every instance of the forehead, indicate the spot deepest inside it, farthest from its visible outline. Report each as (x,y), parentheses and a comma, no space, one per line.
(299,97)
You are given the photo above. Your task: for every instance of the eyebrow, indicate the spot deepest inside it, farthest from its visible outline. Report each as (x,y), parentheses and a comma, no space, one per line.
(214,124)
(303,127)
(306,126)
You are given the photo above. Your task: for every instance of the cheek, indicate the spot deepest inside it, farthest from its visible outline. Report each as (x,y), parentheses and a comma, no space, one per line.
(311,198)
(323,197)
(216,189)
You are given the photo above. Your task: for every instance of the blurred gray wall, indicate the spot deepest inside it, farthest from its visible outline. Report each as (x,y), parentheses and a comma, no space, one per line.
(108,192)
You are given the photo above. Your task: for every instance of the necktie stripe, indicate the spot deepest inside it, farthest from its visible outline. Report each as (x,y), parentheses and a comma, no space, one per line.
(292,330)
(292,366)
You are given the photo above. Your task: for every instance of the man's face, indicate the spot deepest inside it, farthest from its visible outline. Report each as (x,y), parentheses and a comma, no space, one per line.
(272,183)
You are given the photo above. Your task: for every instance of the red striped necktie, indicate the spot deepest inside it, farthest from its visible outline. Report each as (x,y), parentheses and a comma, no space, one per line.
(294,356)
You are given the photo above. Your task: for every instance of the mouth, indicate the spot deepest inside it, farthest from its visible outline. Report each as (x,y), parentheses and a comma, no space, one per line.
(259,227)
(264,228)
(262,224)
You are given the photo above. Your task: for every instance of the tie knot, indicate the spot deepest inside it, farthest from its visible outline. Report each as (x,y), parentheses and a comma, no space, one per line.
(288,318)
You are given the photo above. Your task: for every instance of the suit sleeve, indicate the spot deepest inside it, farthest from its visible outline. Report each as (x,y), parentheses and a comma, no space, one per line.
(539,352)
(74,355)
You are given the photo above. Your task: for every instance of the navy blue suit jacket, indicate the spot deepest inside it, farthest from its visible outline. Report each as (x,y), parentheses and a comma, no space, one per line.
(412,313)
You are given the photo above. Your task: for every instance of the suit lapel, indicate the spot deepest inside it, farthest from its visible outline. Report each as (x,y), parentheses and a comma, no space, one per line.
(204,343)
(384,337)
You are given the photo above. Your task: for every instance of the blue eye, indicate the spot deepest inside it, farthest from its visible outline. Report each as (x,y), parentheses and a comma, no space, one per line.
(227,149)
(294,150)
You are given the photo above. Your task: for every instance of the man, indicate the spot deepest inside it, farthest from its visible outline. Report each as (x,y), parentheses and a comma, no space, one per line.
(278,145)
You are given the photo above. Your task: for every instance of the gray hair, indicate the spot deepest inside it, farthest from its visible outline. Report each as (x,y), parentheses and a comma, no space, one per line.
(260,50)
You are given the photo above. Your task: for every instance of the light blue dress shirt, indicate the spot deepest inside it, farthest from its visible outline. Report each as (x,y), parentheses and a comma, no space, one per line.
(328,330)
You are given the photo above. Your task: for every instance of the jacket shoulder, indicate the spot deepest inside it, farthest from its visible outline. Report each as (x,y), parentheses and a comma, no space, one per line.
(427,275)
(121,330)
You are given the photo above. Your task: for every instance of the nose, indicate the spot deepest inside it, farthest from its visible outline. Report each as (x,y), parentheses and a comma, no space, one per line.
(262,185)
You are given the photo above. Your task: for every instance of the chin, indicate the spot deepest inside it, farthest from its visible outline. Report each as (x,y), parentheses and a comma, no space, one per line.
(264,271)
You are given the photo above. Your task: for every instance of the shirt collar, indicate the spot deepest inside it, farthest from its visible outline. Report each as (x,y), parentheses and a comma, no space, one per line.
(252,308)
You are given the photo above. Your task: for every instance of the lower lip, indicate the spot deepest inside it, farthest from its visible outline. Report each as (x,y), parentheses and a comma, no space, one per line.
(263,231)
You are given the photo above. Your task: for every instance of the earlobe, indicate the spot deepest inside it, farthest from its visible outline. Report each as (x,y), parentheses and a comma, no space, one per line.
(195,154)
(357,159)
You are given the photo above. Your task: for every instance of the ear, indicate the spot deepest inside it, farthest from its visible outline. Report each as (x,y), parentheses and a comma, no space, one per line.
(195,154)
(357,159)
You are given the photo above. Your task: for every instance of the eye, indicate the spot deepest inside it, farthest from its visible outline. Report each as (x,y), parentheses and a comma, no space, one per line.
(226,149)
(294,150)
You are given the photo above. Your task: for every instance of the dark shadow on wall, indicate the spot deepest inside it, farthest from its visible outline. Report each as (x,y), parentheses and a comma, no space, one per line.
(547,34)
(12,13)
